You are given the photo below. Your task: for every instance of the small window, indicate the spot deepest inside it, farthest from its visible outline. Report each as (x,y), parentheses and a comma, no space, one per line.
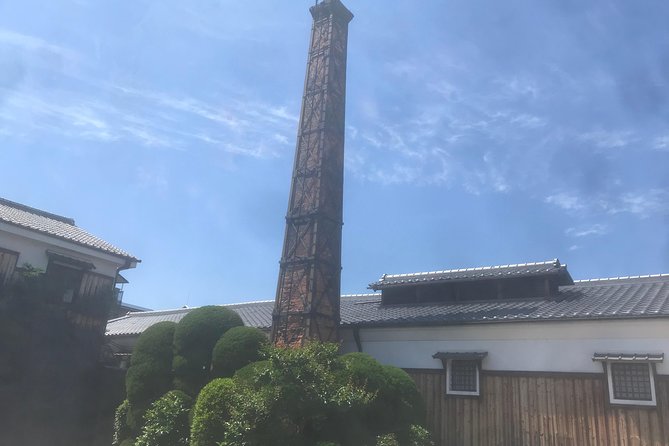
(462,371)
(462,377)
(631,383)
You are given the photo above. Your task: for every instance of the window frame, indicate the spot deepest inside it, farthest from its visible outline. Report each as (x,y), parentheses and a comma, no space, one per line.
(477,392)
(623,402)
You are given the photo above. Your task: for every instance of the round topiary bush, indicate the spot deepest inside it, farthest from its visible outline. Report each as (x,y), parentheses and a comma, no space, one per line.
(166,422)
(364,371)
(250,375)
(397,405)
(155,344)
(146,381)
(400,395)
(150,372)
(237,348)
(211,412)
(194,339)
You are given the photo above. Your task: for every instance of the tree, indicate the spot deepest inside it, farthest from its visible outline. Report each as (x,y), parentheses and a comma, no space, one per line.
(309,396)
(211,412)
(167,421)
(150,372)
(238,347)
(194,339)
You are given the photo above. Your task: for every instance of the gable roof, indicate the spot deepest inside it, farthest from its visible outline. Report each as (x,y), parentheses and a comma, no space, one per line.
(614,298)
(547,268)
(54,225)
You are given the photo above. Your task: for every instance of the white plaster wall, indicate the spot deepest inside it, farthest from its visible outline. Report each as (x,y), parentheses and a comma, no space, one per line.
(32,247)
(522,346)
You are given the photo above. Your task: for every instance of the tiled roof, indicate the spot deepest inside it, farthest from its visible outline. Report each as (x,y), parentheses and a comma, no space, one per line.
(254,314)
(54,225)
(550,267)
(627,298)
(640,297)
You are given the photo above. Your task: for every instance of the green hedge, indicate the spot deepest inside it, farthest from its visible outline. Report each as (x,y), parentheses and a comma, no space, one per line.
(211,412)
(150,372)
(147,381)
(121,430)
(166,422)
(397,405)
(194,339)
(155,344)
(237,348)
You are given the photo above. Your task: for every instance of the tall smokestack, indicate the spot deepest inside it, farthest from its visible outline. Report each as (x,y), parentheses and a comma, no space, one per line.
(308,290)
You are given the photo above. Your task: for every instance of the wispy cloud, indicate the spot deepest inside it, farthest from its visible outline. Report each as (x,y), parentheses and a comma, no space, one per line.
(241,127)
(565,201)
(605,139)
(661,143)
(642,204)
(596,229)
(27,42)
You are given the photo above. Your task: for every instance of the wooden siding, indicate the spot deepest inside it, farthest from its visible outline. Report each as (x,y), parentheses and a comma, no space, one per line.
(541,409)
(8,261)
(92,284)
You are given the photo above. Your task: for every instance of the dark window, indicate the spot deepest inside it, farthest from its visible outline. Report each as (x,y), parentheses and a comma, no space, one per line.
(463,376)
(63,282)
(631,381)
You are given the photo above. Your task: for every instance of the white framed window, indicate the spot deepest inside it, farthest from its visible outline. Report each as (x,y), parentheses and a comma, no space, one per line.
(631,383)
(462,377)
(630,377)
(463,372)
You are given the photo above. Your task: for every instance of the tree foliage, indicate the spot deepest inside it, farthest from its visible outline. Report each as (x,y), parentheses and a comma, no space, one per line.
(237,348)
(211,412)
(194,339)
(121,431)
(296,399)
(166,422)
(155,344)
(150,372)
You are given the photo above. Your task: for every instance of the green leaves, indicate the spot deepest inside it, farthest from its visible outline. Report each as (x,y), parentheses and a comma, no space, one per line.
(166,422)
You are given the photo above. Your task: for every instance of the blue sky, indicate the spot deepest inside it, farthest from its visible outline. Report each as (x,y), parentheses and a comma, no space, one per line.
(478,133)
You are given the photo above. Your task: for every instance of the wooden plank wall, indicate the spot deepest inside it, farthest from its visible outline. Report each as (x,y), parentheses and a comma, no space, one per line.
(541,409)
(92,284)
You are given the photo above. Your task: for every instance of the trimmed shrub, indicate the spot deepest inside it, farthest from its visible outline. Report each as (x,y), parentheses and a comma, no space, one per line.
(211,412)
(401,398)
(397,404)
(364,370)
(194,339)
(155,344)
(237,348)
(251,375)
(296,397)
(166,422)
(121,431)
(145,382)
(150,372)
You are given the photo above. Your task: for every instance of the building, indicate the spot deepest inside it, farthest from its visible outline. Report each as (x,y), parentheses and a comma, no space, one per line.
(58,286)
(508,355)
(78,266)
